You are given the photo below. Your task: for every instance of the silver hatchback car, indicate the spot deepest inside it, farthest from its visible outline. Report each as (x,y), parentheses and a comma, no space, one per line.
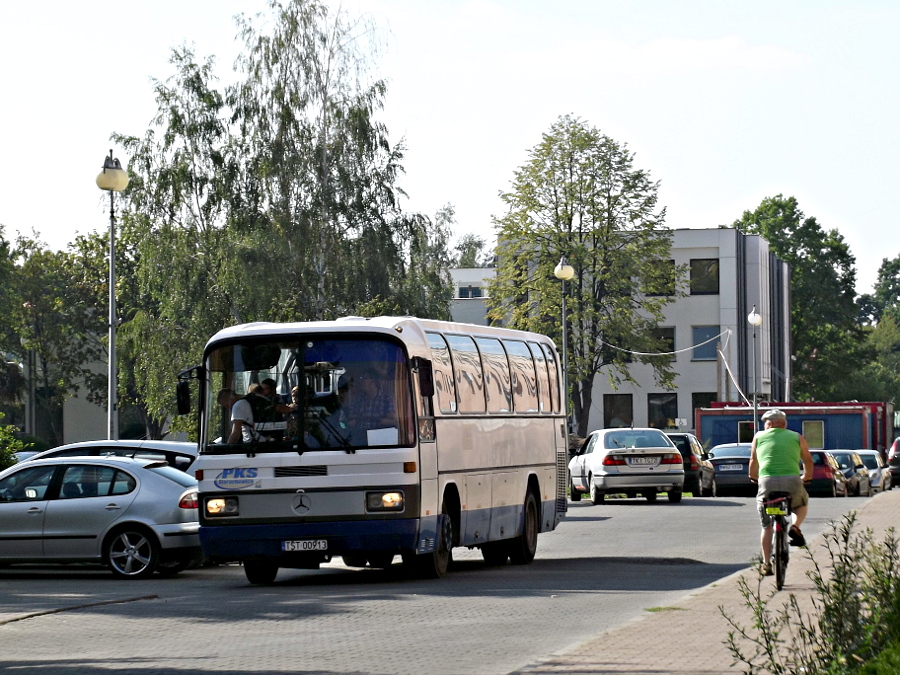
(137,516)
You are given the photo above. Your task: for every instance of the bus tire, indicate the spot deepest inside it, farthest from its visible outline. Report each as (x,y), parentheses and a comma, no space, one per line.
(522,549)
(260,572)
(434,565)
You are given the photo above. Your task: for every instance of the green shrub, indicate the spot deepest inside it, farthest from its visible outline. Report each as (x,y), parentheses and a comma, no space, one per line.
(855,614)
(10,444)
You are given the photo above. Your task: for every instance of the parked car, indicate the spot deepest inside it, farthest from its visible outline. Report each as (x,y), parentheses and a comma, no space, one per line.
(626,461)
(893,460)
(136,516)
(828,479)
(732,465)
(856,472)
(879,474)
(175,453)
(699,473)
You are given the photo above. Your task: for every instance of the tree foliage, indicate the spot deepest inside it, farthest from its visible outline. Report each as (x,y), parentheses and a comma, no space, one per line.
(579,195)
(828,343)
(272,199)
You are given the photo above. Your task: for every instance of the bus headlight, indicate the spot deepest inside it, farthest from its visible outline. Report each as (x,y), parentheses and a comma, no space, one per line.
(222,506)
(384,501)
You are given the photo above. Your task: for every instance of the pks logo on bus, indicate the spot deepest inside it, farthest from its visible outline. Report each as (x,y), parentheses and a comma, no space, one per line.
(237,479)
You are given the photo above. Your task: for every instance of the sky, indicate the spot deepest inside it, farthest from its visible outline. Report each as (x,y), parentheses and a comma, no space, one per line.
(723,103)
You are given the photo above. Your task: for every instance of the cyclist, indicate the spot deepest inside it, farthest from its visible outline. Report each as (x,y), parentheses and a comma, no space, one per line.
(775,459)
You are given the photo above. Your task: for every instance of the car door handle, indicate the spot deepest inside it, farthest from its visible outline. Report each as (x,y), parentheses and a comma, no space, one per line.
(35,510)
(112,507)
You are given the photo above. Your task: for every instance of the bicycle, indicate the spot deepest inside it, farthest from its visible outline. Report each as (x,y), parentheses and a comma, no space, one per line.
(778,507)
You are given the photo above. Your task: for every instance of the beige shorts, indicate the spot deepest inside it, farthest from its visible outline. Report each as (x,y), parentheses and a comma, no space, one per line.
(767,484)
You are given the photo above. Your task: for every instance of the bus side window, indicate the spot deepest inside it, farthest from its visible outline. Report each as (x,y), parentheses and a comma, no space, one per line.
(469,377)
(554,376)
(546,404)
(442,368)
(525,393)
(496,375)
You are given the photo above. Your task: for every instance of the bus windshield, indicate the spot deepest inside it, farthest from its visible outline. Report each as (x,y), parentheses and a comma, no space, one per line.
(308,393)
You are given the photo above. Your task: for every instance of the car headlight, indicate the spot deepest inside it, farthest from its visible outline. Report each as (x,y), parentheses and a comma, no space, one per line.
(384,501)
(222,506)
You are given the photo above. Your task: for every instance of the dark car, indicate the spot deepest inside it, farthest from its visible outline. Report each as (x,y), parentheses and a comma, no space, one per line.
(828,479)
(893,460)
(732,465)
(856,472)
(699,473)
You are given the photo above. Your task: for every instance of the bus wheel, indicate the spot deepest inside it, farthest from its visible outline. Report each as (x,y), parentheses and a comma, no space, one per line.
(435,564)
(522,548)
(260,572)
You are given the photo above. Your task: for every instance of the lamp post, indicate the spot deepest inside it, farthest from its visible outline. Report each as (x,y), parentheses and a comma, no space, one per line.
(114,179)
(564,271)
(755,319)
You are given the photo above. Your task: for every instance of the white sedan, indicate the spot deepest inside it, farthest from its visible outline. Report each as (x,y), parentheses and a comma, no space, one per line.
(626,461)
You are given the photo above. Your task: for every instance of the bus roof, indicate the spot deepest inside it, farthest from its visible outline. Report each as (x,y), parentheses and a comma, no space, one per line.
(391,325)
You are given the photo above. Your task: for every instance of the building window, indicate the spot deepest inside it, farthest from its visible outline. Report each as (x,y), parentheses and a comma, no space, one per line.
(618,410)
(661,280)
(667,335)
(470,291)
(701,399)
(814,433)
(662,410)
(704,345)
(704,276)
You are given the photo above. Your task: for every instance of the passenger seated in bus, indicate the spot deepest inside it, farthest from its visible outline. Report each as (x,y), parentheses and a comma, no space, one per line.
(246,413)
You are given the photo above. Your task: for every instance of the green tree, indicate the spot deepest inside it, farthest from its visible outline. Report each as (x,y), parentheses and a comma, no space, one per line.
(885,298)
(828,343)
(471,252)
(273,200)
(579,195)
(57,323)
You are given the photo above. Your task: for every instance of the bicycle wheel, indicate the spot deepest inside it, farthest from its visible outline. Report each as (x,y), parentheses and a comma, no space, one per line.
(780,553)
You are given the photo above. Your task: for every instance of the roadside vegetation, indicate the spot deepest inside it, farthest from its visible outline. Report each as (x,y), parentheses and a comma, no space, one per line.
(852,624)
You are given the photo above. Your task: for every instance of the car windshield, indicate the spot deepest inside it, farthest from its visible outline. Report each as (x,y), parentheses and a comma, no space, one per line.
(843,461)
(818,459)
(731,451)
(632,438)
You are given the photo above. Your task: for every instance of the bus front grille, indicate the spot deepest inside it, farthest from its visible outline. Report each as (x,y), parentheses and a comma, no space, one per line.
(294,471)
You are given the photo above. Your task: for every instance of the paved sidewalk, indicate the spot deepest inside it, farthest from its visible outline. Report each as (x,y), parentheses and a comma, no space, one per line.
(688,638)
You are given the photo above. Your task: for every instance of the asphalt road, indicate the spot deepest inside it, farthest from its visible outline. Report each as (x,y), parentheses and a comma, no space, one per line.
(604,566)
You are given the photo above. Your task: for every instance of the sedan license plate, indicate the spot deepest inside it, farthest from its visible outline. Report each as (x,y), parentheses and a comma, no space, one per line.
(642,460)
(293,545)
(731,467)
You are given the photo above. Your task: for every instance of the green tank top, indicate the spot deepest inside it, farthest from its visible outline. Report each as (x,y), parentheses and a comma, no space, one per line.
(778,452)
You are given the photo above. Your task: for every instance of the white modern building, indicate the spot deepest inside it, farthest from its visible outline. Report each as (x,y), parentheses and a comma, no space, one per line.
(719,355)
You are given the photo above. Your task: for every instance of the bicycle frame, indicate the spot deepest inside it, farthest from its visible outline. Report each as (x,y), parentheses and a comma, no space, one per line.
(778,507)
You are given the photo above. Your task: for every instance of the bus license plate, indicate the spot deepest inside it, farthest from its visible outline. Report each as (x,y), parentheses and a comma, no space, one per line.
(293,545)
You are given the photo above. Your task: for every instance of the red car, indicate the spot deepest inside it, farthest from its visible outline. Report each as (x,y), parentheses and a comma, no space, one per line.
(828,479)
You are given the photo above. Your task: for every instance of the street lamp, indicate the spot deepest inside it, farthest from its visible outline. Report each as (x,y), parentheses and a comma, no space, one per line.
(564,271)
(114,179)
(755,319)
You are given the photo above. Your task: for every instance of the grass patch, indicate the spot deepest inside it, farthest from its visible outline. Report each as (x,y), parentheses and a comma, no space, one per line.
(664,609)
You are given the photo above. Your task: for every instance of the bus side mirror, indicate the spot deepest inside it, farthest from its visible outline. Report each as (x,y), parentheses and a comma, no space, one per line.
(426,376)
(183,397)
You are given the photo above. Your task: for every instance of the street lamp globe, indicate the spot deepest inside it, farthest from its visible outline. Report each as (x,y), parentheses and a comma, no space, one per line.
(564,270)
(112,177)
(754,317)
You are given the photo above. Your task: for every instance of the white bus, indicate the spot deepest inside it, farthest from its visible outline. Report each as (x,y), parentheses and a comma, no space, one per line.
(377,437)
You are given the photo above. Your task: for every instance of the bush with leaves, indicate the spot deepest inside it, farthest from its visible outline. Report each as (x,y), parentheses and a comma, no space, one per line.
(10,444)
(854,616)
